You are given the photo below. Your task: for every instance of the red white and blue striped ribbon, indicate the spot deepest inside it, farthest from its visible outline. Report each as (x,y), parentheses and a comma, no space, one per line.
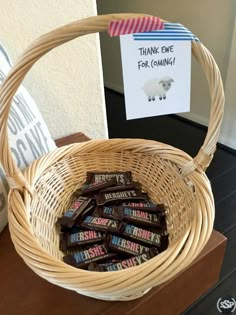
(150,28)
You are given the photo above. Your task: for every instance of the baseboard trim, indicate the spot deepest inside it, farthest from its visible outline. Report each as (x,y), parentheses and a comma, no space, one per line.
(230,144)
(114,87)
(195,118)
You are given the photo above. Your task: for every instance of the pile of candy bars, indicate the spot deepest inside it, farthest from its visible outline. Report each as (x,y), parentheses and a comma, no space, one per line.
(111,224)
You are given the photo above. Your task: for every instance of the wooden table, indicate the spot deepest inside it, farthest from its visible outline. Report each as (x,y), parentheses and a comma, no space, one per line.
(23,292)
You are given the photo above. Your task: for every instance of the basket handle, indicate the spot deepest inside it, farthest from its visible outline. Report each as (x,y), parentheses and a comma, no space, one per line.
(87,26)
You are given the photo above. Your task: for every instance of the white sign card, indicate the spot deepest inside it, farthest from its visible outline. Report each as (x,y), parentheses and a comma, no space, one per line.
(156,75)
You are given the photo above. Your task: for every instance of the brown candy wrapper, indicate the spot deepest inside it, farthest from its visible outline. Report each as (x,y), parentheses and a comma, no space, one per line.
(143,218)
(122,245)
(101,267)
(122,178)
(117,197)
(110,212)
(133,185)
(144,206)
(139,217)
(145,236)
(124,264)
(82,258)
(102,224)
(68,240)
(76,209)
(88,189)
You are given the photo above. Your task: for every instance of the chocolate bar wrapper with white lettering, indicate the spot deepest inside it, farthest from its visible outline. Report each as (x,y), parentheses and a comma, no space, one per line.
(145,237)
(133,185)
(68,240)
(139,217)
(122,245)
(145,206)
(110,212)
(102,224)
(76,209)
(122,178)
(124,264)
(88,189)
(100,267)
(88,211)
(152,220)
(82,258)
(119,196)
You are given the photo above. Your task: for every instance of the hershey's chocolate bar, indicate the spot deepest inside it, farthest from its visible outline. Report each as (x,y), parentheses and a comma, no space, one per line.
(121,188)
(122,178)
(122,245)
(143,218)
(110,212)
(76,209)
(146,237)
(144,206)
(102,224)
(68,240)
(95,187)
(83,258)
(124,264)
(139,217)
(118,196)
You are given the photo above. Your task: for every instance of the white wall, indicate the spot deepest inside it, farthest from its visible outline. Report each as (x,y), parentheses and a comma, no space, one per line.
(67,83)
(228,132)
(211,20)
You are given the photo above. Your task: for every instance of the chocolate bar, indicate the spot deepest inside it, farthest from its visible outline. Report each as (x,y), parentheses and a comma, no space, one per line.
(122,178)
(86,212)
(143,218)
(110,212)
(74,229)
(131,215)
(144,206)
(145,236)
(122,245)
(124,264)
(70,216)
(96,186)
(82,258)
(102,224)
(101,267)
(79,238)
(120,188)
(108,197)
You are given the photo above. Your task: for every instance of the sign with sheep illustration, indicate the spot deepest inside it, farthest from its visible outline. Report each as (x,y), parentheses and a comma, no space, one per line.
(156,75)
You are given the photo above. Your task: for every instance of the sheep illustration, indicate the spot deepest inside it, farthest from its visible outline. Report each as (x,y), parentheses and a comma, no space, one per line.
(157,87)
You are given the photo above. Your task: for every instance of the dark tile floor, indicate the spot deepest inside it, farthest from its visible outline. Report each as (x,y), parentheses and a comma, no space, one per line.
(222,173)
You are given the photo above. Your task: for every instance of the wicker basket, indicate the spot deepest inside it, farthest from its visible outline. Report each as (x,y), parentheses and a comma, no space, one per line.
(42,192)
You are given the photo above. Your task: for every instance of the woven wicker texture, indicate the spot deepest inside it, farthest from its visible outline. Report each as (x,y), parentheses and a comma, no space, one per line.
(170,176)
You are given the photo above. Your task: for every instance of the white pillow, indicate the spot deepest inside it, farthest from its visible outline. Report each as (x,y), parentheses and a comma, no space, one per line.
(29,136)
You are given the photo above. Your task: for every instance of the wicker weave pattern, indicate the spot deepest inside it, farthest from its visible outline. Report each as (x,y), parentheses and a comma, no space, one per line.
(43,192)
